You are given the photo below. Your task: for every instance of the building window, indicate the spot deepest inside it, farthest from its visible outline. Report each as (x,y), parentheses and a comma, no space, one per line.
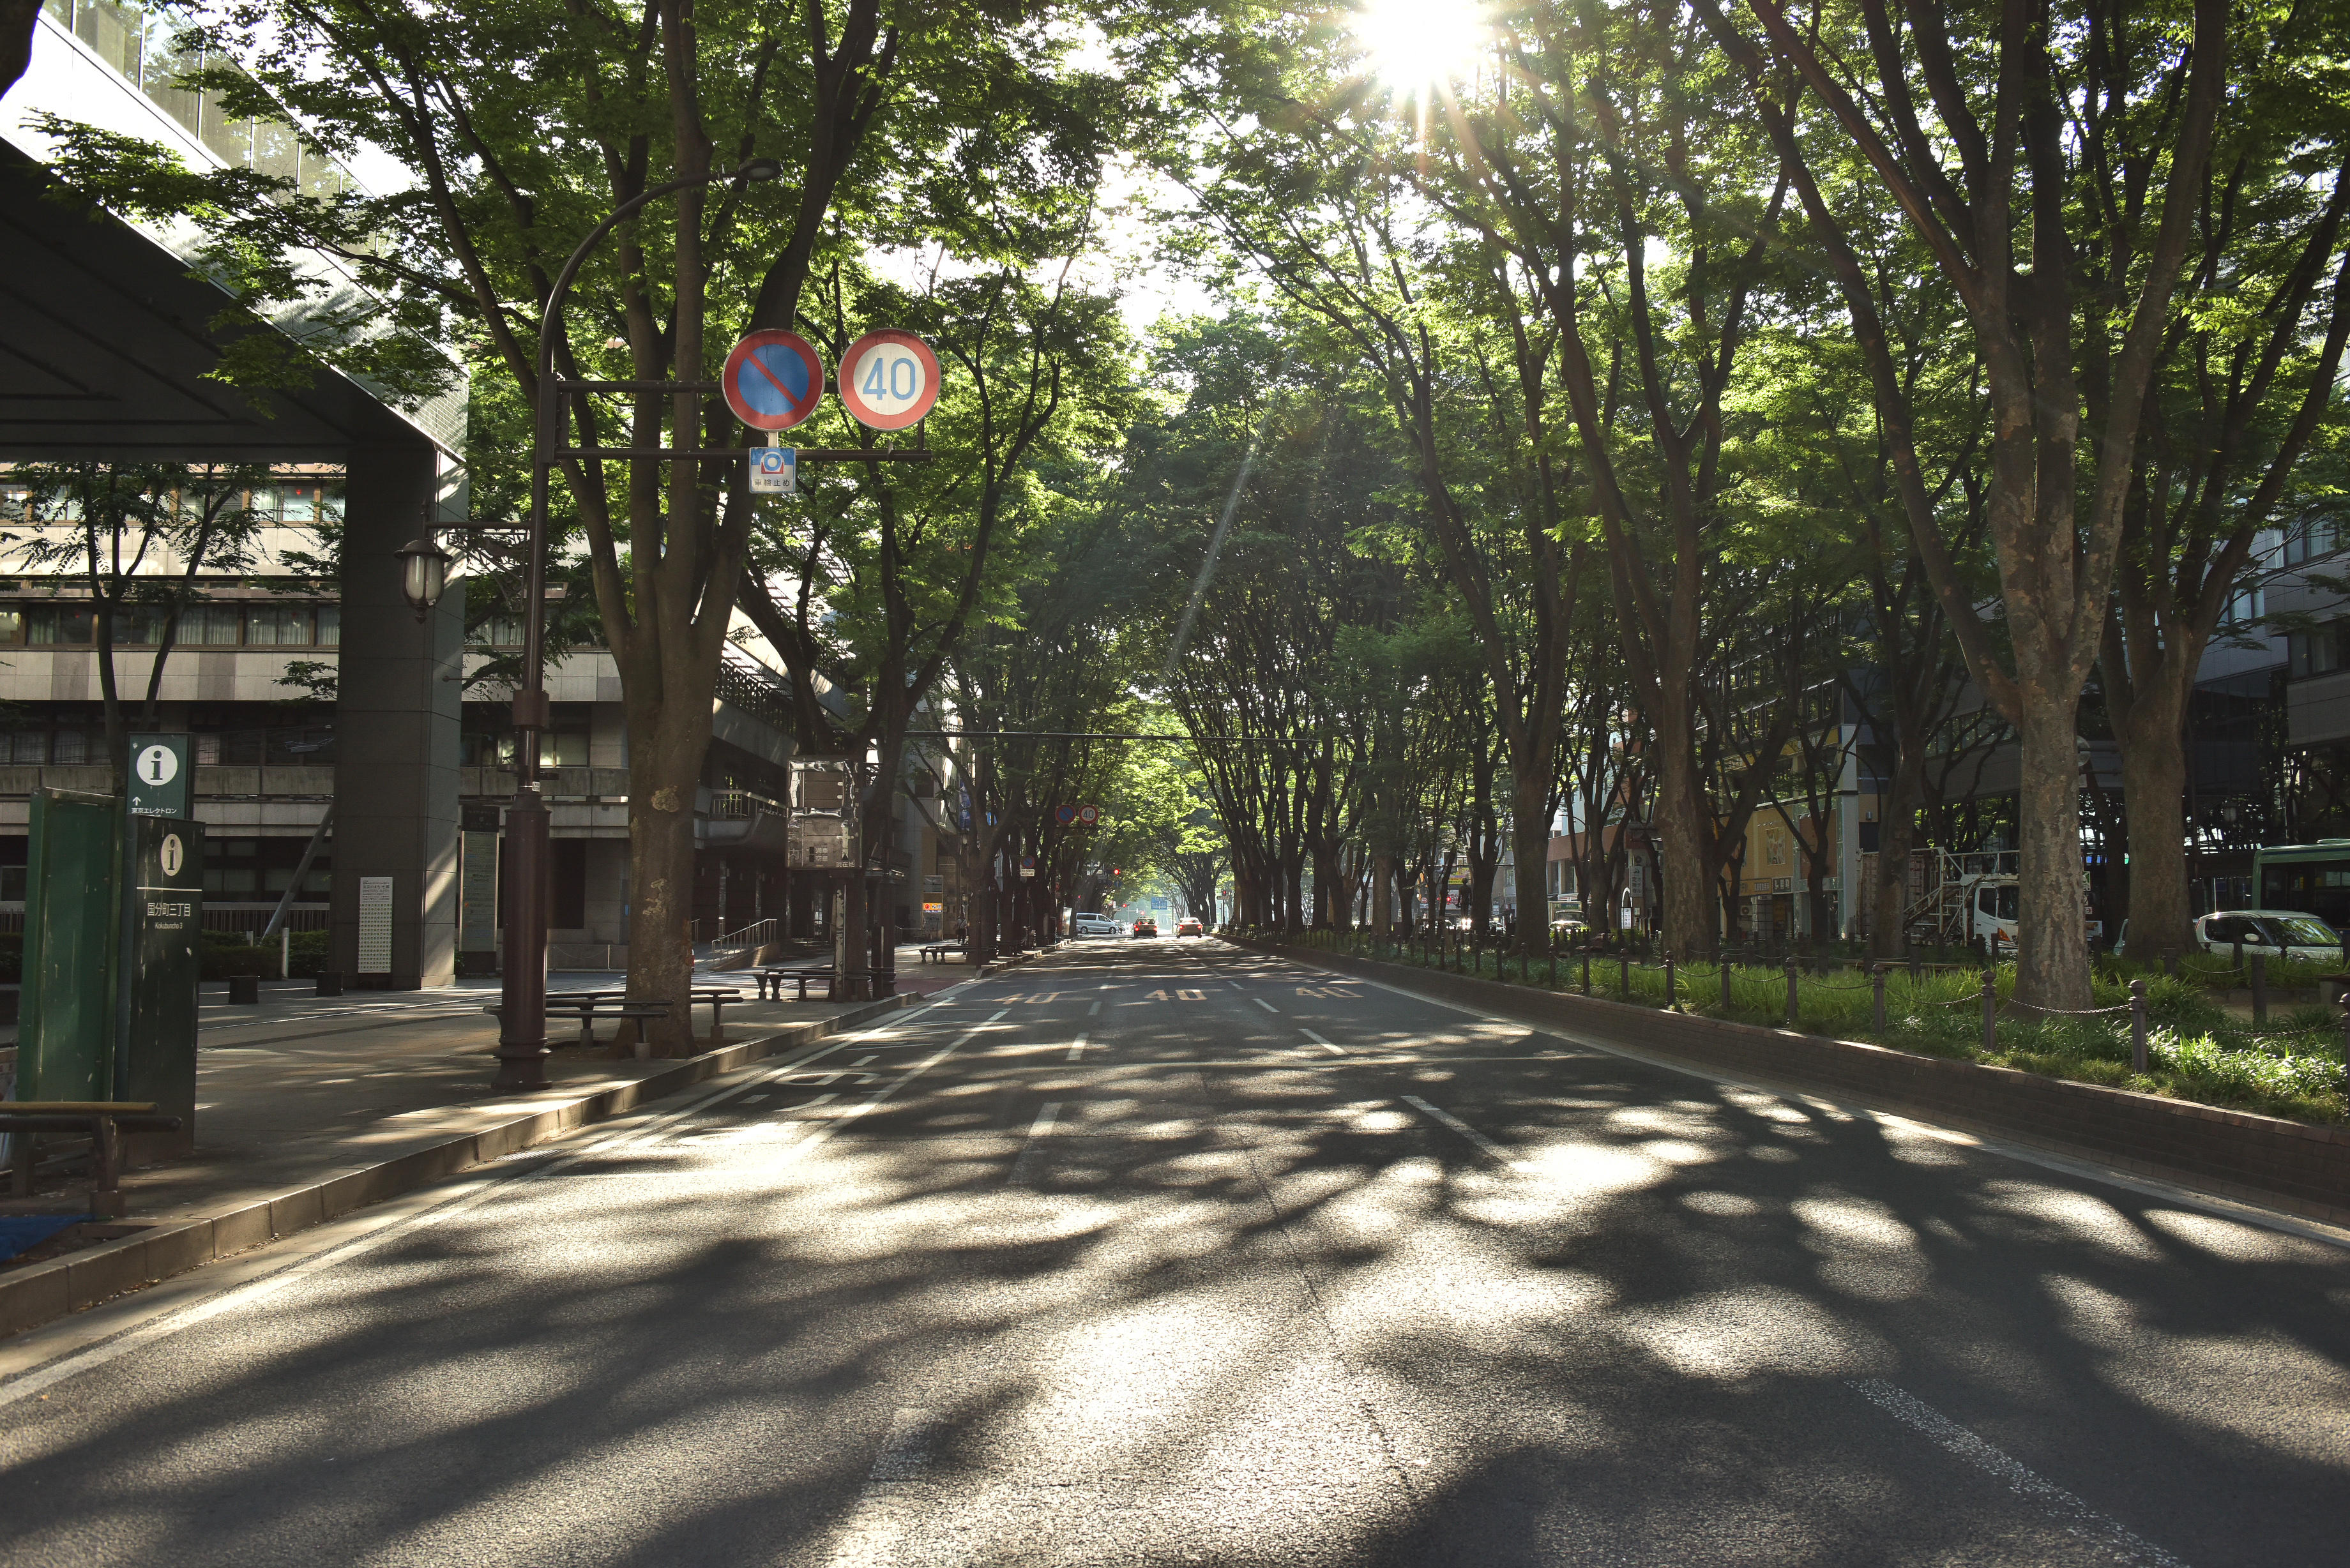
(211,626)
(330,625)
(2318,539)
(2317,652)
(278,626)
(59,626)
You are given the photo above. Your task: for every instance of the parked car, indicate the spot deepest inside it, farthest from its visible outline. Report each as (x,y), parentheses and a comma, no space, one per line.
(1094,925)
(1146,927)
(2273,933)
(1190,929)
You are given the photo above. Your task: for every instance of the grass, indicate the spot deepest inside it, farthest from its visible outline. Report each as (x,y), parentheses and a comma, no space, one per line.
(2291,1067)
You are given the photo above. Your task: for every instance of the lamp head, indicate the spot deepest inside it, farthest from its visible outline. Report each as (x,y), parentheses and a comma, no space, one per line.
(423,573)
(760,169)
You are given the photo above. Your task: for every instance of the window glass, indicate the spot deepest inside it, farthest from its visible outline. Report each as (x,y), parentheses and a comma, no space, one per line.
(2305,932)
(278,626)
(60,625)
(330,625)
(2010,900)
(2225,929)
(12,625)
(211,626)
(298,502)
(28,747)
(207,750)
(70,750)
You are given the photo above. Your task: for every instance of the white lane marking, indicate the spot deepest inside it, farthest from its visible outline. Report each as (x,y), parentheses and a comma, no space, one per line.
(862,1060)
(1268,1006)
(1094,1011)
(1032,1147)
(170,1318)
(1495,1151)
(1076,1047)
(889,1091)
(1319,1041)
(2077,1517)
(870,1536)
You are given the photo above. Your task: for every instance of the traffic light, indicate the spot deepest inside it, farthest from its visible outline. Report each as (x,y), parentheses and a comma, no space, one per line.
(1116,872)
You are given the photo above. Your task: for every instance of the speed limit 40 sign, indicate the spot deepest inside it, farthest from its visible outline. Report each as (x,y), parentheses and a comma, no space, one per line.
(888,379)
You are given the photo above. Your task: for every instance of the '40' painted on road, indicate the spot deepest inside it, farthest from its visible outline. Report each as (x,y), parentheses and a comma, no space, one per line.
(1177,996)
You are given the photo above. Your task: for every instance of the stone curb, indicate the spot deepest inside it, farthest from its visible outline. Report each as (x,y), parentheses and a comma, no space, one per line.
(32,1296)
(2295,1167)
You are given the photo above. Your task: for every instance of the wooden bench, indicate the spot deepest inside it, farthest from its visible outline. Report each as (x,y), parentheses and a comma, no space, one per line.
(104,1122)
(771,982)
(936,952)
(588,1006)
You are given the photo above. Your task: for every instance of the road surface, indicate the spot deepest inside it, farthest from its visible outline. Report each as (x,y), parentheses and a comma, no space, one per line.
(1168,1252)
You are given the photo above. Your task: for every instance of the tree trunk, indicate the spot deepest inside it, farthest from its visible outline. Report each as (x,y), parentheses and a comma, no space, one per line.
(1896,834)
(1681,834)
(2051,945)
(2154,788)
(665,758)
(1530,848)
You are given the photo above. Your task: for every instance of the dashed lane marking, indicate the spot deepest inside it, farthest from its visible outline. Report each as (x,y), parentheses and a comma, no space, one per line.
(2077,1517)
(1495,1151)
(1076,1047)
(1268,1006)
(1324,1044)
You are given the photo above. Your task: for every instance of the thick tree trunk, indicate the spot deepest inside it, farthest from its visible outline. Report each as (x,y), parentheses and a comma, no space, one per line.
(665,760)
(2051,943)
(2154,791)
(1530,848)
(1896,834)
(1681,834)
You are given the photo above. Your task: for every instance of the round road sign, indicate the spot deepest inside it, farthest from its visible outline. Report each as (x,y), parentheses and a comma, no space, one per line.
(1088,814)
(158,764)
(773,380)
(888,379)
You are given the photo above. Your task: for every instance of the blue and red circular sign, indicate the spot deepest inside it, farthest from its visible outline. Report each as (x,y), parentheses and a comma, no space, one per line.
(888,379)
(773,380)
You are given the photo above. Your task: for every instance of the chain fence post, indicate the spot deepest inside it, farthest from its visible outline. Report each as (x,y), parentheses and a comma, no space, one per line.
(2259,988)
(2342,999)
(2137,1026)
(1623,974)
(1794,1009)
(1669,979)
(1586,970)
(1877,984)
(1991,1010)
(1553,963)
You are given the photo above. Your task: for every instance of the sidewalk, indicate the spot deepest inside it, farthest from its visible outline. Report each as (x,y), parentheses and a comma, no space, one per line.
(308,1106)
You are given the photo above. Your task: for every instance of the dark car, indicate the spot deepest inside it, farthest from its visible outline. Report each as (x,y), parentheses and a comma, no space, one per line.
(1146,927)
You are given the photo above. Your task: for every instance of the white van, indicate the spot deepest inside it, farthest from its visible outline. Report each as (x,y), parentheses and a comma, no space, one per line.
(1094,925)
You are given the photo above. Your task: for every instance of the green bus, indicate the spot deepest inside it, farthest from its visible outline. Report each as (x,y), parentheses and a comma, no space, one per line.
(2309,878)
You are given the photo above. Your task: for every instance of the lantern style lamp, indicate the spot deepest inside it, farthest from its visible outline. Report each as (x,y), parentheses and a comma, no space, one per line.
(423,573)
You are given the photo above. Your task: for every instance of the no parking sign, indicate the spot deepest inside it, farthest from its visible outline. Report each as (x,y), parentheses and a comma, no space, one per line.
(772,379)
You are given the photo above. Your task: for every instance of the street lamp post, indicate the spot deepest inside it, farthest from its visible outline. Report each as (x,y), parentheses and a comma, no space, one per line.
(522,1015)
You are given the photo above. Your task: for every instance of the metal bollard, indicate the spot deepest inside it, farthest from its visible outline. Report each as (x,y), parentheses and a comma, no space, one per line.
(2259,988)
(1669,979)
(1725,983)
(1553,966)
(2137,1026)
(1991,1010)
(1793,1010)
(1912,950)
(1877,984)
(2239,962)
(1586,971)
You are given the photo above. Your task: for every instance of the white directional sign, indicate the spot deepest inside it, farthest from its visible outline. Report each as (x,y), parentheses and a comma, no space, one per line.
(775,471)
(888,379)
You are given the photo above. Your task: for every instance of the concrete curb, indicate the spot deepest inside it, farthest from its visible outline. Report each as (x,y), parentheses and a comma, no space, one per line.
(2293,1167)
(32,1296)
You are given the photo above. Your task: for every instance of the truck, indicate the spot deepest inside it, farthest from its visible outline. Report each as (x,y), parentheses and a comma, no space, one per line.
(1974,899)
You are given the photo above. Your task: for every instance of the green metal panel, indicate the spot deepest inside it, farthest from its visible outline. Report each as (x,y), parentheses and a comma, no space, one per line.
(65,1029)
(157,1060)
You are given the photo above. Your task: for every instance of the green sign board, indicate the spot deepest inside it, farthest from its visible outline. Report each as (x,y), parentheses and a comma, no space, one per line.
(161,778)
(156,1053)
(65,1026)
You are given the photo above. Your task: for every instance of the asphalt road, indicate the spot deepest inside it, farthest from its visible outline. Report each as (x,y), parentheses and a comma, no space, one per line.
(1162,1253)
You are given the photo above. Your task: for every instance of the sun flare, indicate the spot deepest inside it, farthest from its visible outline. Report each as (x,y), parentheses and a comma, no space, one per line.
(1409,44)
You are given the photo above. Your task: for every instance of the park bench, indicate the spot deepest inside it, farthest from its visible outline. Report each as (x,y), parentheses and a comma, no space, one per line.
(936,952)
(588,1006)
(103,1122)
(771,982)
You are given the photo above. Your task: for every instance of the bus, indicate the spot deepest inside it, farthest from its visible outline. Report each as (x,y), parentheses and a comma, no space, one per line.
(2308,878)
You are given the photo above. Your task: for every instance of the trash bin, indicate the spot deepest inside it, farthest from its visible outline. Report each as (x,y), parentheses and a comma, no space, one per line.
(244,990)
(331,982)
